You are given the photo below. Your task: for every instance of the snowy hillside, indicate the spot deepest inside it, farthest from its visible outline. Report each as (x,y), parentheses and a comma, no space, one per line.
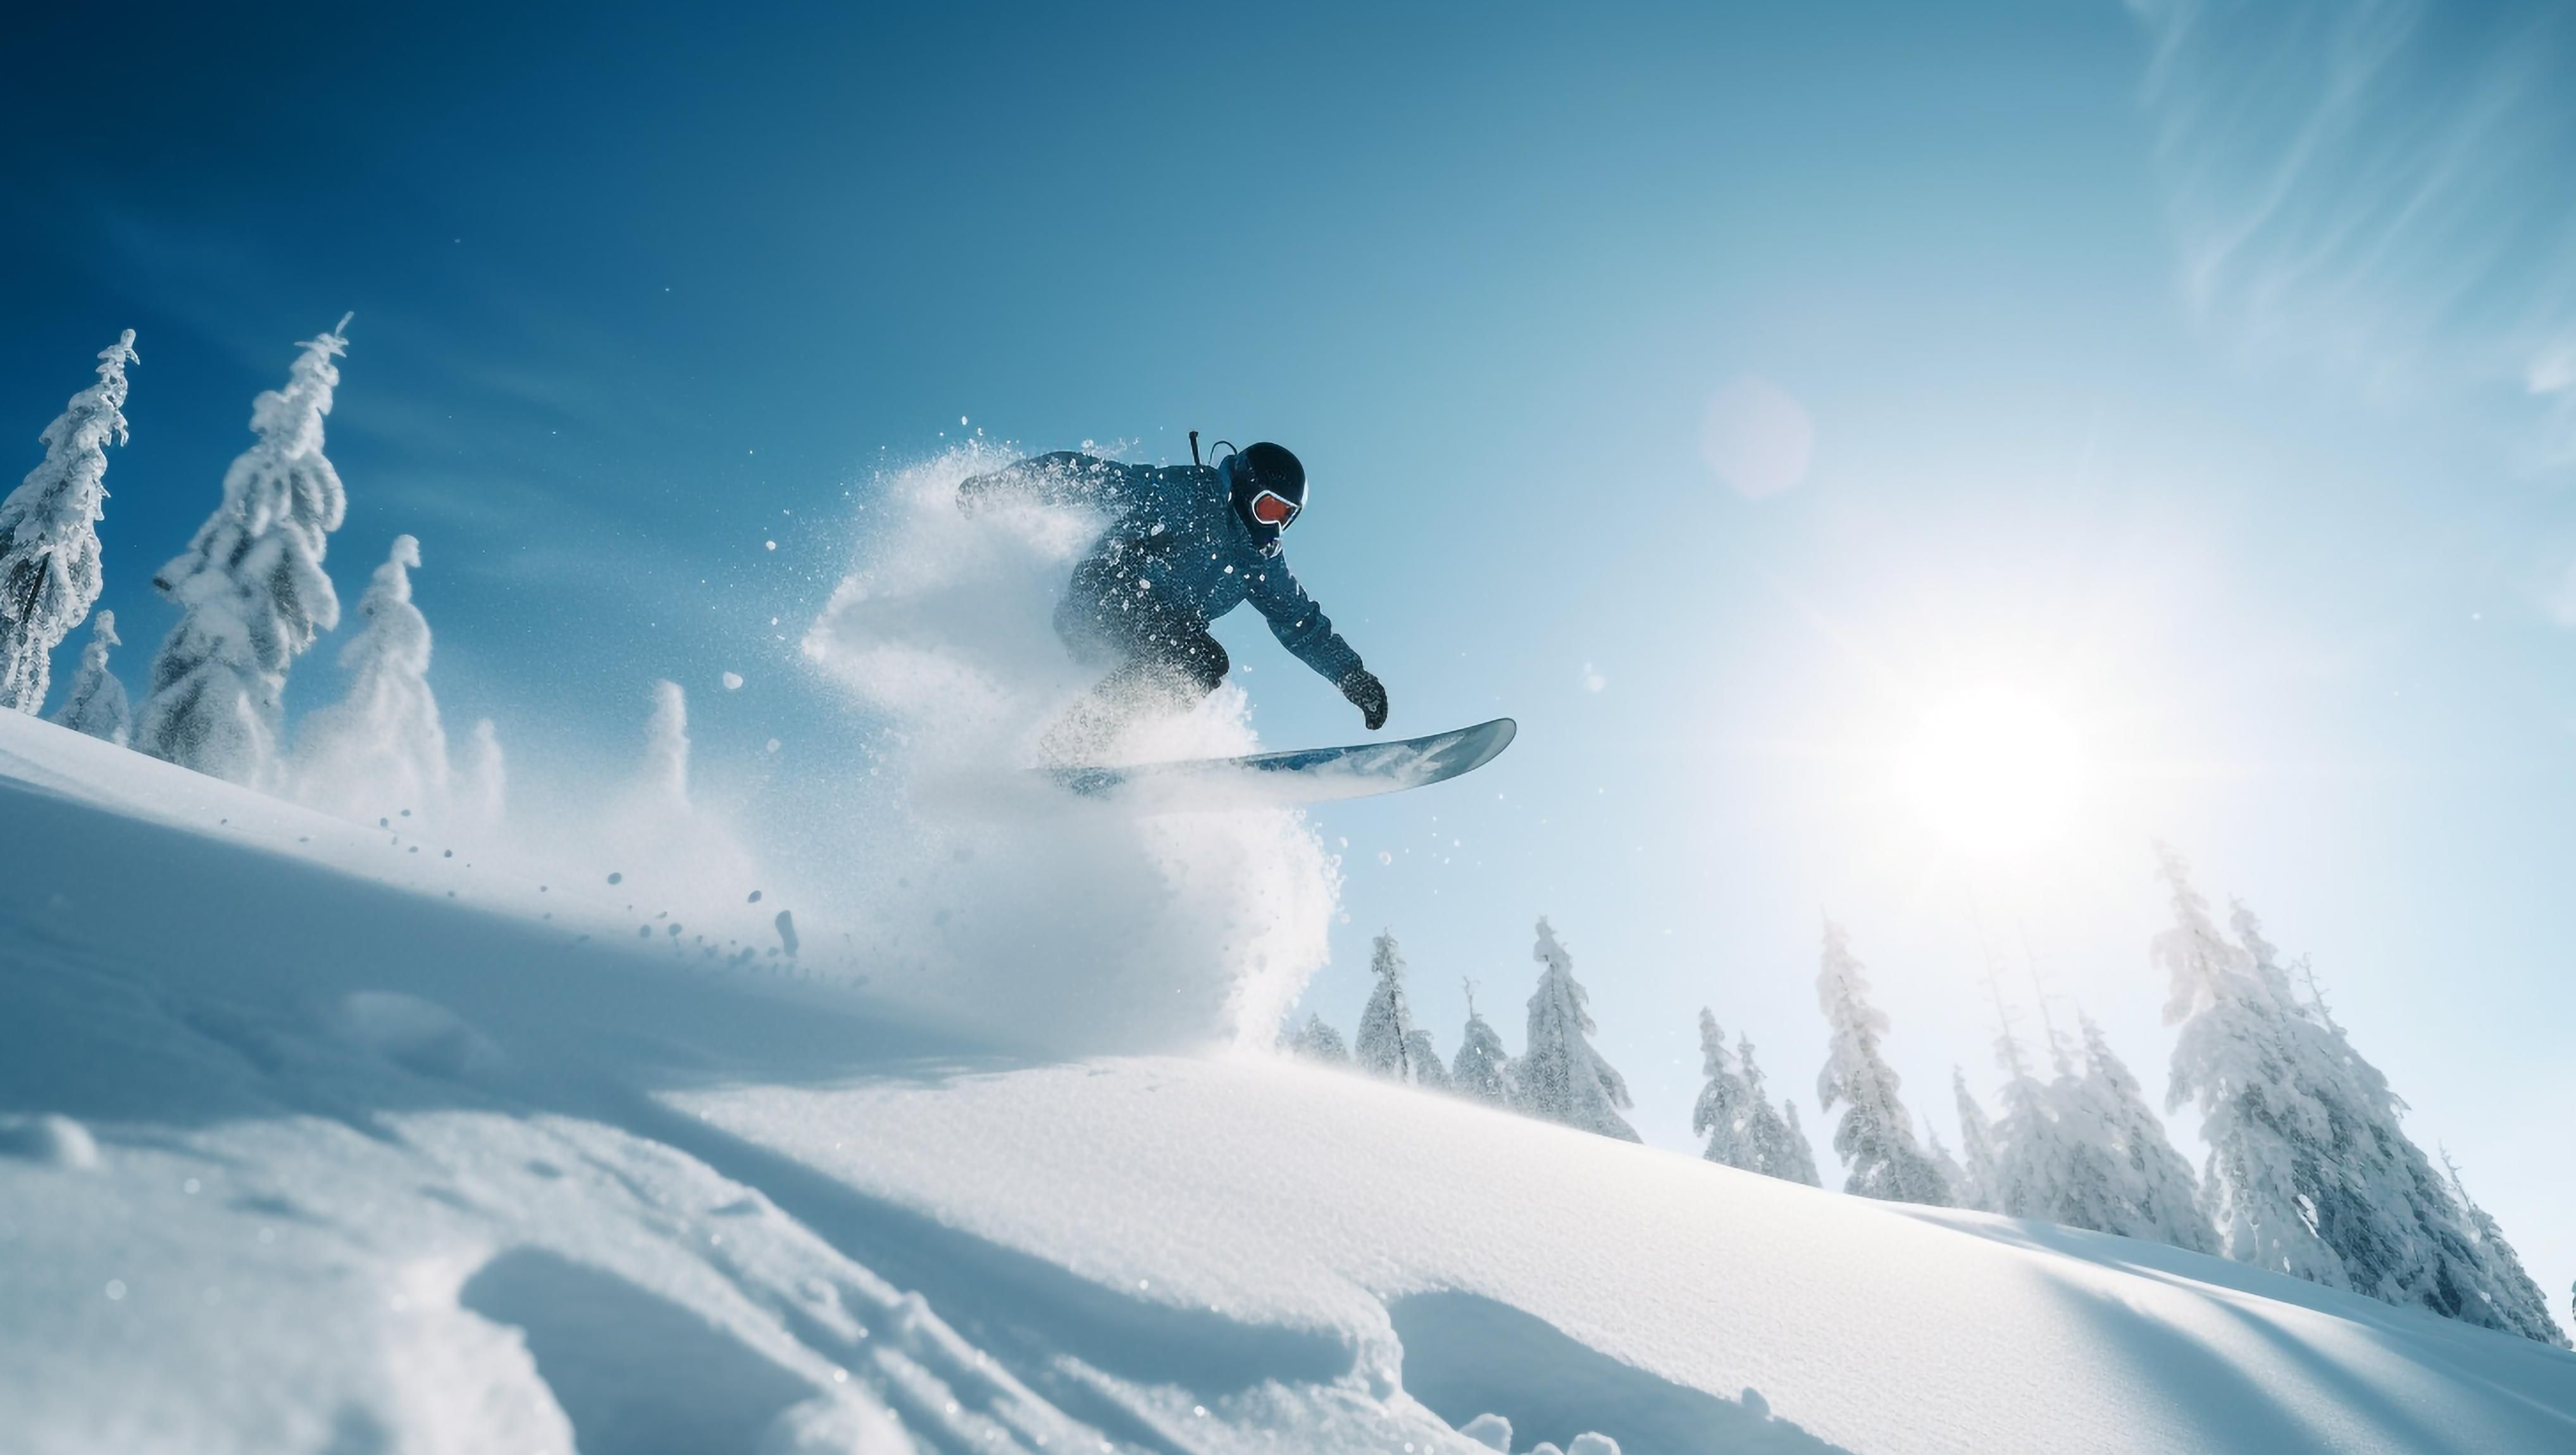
(320,1139)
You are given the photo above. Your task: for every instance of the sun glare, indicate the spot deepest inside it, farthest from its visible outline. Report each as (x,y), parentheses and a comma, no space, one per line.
(1995,771)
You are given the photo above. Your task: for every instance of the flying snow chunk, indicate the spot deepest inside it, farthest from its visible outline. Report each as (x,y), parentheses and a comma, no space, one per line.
(1756,437)
(732,681)
(418,1035)
(48,1140)
(1592,679)
(830,1425)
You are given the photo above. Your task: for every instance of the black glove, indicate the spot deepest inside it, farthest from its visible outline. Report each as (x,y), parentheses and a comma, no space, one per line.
(1367,694)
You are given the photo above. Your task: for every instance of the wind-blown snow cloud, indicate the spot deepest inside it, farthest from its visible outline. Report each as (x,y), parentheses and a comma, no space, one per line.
(991,894)
(2379,188)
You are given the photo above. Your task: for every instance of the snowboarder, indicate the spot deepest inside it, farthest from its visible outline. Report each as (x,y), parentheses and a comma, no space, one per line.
(1186,544)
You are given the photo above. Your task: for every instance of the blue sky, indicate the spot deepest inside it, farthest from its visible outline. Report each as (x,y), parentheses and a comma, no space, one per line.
(2209,375)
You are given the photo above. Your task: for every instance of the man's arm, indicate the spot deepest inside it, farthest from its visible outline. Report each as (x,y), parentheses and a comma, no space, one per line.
(1064,478)
(1301,627)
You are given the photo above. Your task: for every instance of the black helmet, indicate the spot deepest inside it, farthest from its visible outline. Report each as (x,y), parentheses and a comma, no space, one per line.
(1268,487)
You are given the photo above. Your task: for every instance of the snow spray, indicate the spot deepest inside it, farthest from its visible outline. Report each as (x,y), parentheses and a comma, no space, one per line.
(992,896)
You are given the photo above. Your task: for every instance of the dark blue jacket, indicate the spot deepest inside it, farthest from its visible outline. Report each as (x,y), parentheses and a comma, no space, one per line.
(1174,539)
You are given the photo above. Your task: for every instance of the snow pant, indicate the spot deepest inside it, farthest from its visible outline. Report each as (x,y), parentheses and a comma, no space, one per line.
(1162,660)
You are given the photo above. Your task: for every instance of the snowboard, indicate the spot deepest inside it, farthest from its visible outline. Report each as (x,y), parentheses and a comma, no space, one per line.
(1305,775)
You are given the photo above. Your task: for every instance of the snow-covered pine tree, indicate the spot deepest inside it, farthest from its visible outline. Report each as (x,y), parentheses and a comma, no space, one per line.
(1779,1145)
(49,574)
(1559,1076)
(1382,1045)
(2423,1252)
(2504,1266)
(1952,1174)
(1980,1172)
(2265,1132)
(2029,1180)
(2161,1197)
(1482,1069)
(381,747)
(1799,1160)
(2056,1159)
(2024,1182)
(250,587)
(96,704)
(1424,1060)
(2018,1178)
(2430,1251)
(1875,1137)
(1723,1114)
(1317,1041)
(2309,1171)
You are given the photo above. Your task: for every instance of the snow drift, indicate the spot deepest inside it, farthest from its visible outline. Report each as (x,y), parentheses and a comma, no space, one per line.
(297,1153)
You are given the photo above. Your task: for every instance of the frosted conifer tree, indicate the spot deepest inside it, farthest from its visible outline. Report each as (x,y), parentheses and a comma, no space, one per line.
(2423,1249)
(49,574)
(2161,1198)
(2029,1167)
(2310,1172)
(2266,1134)
(1382,1045)
(2114,1172)
(1559,1076)
(1482,1070)
(2093,1187)
(1980,1172)
(1799,1161)
(1875,1137)
(250,587)
(1723,1114)
(1423,1059)
(1953,1176)
(2504,1266)
(2083,1150)
(1778,1144)
(1317,1041)
(96,703)
(2056,1160)
(381,747)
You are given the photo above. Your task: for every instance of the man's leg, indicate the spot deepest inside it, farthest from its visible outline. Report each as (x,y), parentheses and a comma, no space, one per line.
(1166,667)
(1188,659)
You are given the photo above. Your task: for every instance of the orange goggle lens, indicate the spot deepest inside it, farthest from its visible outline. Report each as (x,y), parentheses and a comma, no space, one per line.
(1273,509)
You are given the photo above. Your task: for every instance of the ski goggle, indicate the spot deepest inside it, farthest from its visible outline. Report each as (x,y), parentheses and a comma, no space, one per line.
(1273,509)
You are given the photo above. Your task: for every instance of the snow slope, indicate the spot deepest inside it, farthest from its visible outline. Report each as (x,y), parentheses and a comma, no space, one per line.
(303,1154)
